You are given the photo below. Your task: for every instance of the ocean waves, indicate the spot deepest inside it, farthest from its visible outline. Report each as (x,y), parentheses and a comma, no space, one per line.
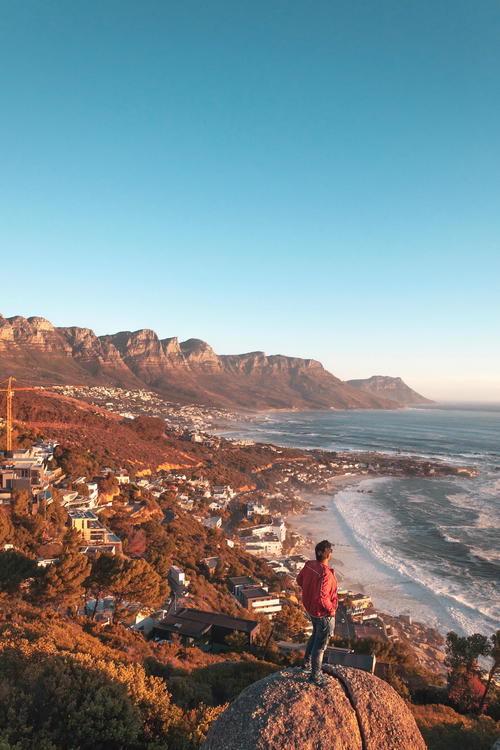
(436,557)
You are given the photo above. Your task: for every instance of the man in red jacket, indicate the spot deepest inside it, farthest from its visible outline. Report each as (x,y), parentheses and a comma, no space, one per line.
(319,597)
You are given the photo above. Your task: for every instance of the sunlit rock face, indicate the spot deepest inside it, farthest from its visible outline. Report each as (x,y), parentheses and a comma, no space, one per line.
(188,371)
(356,711)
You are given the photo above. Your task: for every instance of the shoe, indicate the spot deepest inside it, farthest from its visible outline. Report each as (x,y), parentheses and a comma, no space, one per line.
(319,681)
(306,668)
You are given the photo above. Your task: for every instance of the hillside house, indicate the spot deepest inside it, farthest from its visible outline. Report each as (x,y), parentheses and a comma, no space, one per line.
(258,599)
(196,625)
(94,533)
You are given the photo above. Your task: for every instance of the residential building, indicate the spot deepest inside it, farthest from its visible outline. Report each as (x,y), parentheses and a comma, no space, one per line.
(238,582)
(92,530)
(207,627)
(178,581)
(258,599)
(214,522)
(210,564)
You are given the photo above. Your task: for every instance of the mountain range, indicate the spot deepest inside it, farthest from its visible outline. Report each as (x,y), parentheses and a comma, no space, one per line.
(33,349)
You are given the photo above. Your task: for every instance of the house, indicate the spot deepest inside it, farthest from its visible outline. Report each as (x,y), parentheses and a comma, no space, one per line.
(369,631)
(207,627)
(256,509)
(238,582)
(258,599)
(358,604)
(122,478)
(177,580)
(23,473)
(214,522)
(252,595)
(210,564)
(268,545)
(92,530)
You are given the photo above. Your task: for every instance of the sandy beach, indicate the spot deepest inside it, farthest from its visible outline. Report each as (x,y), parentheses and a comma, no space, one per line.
(356,567)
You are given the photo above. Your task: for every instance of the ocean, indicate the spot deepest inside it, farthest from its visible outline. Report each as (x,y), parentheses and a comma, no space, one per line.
(425,547)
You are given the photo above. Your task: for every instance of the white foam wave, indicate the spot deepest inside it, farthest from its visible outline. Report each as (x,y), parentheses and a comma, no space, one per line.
(373,527)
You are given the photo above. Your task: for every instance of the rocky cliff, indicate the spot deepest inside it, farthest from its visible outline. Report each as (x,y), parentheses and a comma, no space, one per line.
(356,711)
(394,389)
(190,371)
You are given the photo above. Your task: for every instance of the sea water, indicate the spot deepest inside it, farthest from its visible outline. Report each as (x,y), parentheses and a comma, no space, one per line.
(425,547)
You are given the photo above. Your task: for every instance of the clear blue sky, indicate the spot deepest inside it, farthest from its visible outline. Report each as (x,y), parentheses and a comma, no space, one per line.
(315,179)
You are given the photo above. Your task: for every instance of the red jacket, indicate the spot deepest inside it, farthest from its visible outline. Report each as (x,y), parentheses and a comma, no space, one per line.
(319,589)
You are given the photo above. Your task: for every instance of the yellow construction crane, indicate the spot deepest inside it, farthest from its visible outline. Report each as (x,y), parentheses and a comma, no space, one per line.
(9,391)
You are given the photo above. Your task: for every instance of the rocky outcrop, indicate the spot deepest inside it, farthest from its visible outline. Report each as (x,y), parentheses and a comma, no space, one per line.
(392,388)
(356,711)
(190,371)
(18,333)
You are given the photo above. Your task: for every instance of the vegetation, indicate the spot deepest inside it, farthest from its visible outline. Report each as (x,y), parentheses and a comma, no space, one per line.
(445,729)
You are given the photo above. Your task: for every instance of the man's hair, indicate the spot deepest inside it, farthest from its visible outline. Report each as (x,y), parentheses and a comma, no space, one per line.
(322,550)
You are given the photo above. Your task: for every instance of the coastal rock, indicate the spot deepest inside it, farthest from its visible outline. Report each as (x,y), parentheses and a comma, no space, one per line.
(393,388)
(356,711)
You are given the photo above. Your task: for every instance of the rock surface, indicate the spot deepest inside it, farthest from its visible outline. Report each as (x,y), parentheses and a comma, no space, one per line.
(393,388)
(356,711)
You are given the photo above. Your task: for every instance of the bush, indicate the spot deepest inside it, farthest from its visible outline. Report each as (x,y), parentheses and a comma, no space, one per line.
(444,729)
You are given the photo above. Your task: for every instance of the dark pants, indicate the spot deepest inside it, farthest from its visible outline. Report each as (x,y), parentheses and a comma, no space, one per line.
(323,629)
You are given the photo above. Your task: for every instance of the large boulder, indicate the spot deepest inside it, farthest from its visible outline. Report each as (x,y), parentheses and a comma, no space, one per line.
(356,711)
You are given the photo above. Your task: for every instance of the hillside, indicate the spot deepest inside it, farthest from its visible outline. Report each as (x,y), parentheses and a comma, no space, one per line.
(187,372)
(394,389)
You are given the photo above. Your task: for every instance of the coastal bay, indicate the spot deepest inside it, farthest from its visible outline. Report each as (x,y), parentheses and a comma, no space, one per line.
(416,545)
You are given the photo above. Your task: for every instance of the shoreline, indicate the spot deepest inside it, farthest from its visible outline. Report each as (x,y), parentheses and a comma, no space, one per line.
(359,569)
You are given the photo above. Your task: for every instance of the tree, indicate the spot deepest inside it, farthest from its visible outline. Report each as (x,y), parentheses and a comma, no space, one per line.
(290,622)
(19,504)
(467,692)
(159,547)
(6,529)
(56,515)
(106,569)
(494,654)
(61,584)
(462,653)
(237,642)
(14,569)
(136,543)
(136,586)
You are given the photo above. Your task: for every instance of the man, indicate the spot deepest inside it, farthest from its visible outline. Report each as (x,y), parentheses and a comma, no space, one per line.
(319,597)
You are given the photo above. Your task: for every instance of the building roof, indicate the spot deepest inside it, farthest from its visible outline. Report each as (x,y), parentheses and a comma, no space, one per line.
(183,626)
(218,620)
(81,513)
(242,581)
(256,592)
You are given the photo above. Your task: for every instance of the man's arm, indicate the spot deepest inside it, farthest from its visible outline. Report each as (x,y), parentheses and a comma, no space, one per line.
(300,577)
(326,594)
(334,597)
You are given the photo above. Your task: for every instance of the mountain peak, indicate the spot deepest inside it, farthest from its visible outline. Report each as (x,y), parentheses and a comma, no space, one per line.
(390,387)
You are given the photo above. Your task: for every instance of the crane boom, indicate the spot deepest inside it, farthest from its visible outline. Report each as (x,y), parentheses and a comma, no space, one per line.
(9,391)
